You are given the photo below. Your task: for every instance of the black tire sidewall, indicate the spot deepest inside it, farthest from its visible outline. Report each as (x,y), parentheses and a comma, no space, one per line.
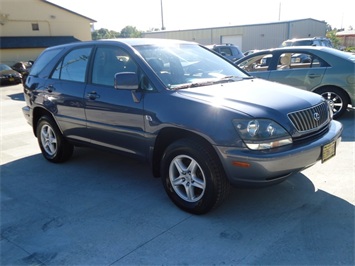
(209,198)
(63,151)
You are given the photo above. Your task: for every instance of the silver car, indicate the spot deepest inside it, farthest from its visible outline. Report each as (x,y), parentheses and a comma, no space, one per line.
(326,71)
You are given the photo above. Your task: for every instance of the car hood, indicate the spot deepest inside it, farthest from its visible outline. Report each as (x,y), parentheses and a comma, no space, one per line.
(9,72)
(254,97)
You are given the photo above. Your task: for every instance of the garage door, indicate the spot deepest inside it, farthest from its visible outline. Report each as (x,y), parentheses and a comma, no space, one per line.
(234,39)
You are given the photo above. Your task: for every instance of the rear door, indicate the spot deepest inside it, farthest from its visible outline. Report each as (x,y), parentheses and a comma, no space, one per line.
(304,71)
(64,92)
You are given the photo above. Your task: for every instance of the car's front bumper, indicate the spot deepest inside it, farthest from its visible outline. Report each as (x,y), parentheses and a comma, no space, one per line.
(247,167)
(26,112)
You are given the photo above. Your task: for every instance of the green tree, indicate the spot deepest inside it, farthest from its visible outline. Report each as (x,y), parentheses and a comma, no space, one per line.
(126,32)
(331,35)
(328,28)
(130,32)
(104,34)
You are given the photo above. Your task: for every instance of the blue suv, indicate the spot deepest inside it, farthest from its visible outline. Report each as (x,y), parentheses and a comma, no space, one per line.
(229,51)
(197,119)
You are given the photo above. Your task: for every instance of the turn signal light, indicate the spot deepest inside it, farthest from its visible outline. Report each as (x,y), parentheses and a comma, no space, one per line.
(241,164)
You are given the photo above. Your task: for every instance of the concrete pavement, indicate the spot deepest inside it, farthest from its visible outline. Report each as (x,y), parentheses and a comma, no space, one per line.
(103,209)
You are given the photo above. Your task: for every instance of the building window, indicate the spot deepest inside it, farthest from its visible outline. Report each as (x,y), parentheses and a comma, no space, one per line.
(35,26)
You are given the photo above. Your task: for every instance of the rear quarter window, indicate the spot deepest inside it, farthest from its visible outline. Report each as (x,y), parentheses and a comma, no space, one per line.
(43,60)
(73,66)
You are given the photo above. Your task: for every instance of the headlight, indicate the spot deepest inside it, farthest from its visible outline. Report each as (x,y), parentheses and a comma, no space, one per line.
(261,134)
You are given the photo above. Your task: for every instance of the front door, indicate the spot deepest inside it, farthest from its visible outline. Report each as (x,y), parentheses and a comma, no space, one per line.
(114,117)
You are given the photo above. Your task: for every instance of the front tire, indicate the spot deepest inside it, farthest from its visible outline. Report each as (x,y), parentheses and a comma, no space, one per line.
(337,99)
(193,177)
(53,145)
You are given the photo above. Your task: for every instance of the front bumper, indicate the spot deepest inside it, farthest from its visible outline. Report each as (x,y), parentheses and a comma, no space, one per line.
(247,167)
(26,112)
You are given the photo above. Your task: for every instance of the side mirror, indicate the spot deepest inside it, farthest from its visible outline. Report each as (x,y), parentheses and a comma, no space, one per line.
(126,81)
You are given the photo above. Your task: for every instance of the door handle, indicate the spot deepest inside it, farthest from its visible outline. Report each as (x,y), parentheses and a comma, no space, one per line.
(49,88)
(93,95)
(313,76)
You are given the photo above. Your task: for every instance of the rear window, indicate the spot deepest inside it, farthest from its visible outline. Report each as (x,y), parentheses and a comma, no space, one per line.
(43,60)
(303,43)
(226,51)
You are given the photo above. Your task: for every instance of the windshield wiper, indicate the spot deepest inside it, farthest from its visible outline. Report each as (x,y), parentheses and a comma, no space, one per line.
(191,85)
(229,79)
(233,78)
(208,82)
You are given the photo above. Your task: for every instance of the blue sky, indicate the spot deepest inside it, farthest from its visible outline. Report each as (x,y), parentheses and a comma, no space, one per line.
(191,14)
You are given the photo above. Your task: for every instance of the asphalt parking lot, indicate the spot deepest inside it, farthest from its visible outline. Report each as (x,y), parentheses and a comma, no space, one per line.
(103,209)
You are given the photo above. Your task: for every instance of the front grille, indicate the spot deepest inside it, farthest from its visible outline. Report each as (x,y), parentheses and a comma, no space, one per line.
(311,118)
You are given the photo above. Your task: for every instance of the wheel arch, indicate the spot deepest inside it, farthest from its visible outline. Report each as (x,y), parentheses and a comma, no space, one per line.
(167,136)
(38,112)
(319,89)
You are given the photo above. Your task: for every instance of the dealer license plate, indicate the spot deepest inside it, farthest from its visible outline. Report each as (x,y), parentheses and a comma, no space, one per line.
(328,151)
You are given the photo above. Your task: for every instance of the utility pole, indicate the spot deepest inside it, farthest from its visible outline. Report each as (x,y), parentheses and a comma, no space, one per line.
(162,16)
(279,11)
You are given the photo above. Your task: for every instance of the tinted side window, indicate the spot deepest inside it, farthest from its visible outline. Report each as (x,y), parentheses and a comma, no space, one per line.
(107,62)
(299,61)
(73,66)
(257,63)
(226,51)
(43,60)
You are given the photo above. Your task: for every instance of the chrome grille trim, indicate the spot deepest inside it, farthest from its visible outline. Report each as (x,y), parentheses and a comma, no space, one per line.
(306,119)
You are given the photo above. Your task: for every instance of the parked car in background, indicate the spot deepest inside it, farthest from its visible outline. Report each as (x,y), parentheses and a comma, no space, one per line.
(314,41)
(250,52)
(23,68)
(229,51)
(201,122)
(326,71)
(9,76)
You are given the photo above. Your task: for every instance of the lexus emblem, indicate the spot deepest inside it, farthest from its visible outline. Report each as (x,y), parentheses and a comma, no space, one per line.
(316,116)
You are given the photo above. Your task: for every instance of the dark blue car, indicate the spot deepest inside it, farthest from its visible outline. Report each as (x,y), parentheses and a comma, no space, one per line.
(201,122)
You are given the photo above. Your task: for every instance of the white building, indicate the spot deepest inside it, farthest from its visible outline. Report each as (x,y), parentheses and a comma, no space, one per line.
(248,37)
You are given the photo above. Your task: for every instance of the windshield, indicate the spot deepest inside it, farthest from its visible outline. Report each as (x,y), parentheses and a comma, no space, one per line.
(187,65)
(4,67)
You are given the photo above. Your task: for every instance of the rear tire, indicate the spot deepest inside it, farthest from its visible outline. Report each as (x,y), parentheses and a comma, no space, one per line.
(54,146)
(193,177)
